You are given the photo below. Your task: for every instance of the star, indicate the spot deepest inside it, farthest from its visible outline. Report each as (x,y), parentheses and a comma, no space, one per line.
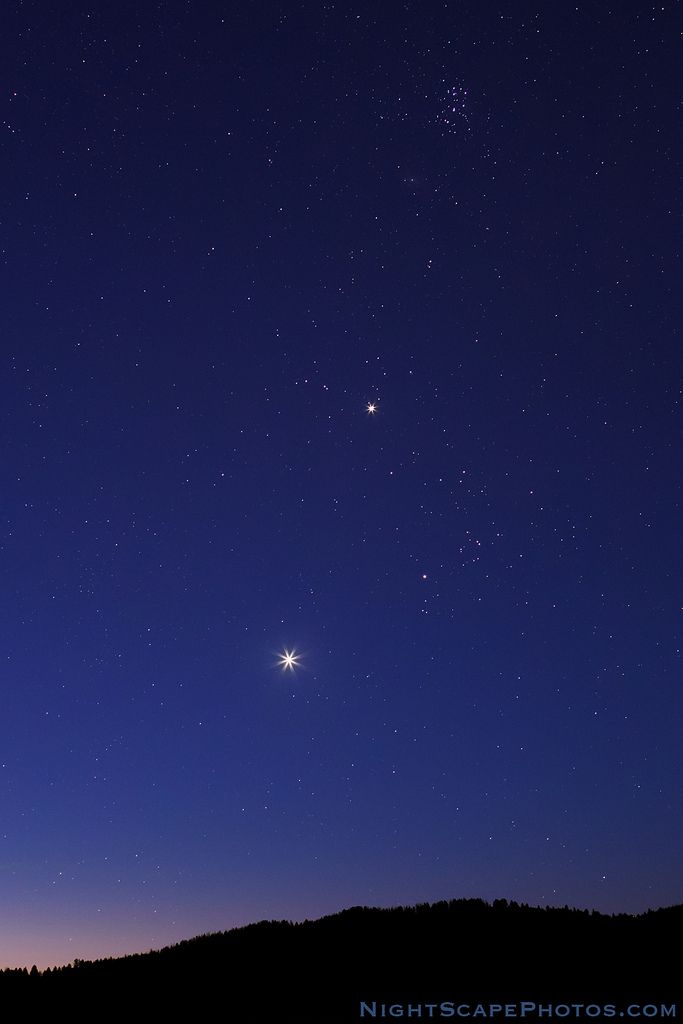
(288,660)
(371,408)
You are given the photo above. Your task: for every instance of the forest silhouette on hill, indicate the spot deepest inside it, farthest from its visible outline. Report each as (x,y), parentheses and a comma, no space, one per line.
(467,951)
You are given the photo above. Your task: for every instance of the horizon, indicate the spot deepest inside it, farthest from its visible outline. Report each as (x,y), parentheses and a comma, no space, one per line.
(333,913)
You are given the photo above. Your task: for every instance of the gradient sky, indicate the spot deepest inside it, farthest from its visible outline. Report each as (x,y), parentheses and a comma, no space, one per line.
(226,229)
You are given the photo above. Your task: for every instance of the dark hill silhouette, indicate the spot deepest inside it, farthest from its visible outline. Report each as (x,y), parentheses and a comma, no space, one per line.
(462,951)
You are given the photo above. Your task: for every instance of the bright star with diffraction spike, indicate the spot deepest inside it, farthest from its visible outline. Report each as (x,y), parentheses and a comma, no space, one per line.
(288,660)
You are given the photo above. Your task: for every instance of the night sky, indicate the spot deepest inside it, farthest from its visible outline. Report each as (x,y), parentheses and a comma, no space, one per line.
(342,334)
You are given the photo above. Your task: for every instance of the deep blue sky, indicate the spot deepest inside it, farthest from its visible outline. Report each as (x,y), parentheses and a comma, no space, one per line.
(226,229)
